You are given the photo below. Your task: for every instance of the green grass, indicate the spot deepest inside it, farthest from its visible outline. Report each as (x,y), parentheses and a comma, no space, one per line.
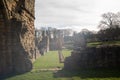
(50,60)
(91,74)
(94,44)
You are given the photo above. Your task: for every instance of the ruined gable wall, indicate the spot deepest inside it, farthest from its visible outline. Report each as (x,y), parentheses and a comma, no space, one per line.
(20,39)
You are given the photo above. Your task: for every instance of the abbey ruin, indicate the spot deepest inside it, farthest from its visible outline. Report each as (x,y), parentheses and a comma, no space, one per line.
(17,44)
(21,44)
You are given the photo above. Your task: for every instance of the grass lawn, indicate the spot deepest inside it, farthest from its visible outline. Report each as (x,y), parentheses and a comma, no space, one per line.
(50,60)
(94,44)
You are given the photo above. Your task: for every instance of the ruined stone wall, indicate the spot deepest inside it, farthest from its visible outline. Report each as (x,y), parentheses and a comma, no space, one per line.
(5,42)
(42,41)
(101,57)
(17,41)
(53,44)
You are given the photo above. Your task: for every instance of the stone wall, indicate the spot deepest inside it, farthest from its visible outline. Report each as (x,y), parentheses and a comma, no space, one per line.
(53,44)
(94,57)
(42,41)
(17,41)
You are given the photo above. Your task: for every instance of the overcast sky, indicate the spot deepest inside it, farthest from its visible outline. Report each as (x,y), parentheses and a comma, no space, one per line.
(75,14)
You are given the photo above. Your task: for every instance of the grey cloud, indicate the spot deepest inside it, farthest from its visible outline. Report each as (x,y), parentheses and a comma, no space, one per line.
(83,12)
(76,5)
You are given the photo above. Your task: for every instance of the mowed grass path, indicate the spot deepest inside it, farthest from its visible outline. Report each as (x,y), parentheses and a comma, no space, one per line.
(51,60)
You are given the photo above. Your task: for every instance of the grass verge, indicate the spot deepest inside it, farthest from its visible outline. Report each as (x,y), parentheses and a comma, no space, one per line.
(94,44)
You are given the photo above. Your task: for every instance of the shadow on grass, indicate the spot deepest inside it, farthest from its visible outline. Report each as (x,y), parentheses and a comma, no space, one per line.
(89,73)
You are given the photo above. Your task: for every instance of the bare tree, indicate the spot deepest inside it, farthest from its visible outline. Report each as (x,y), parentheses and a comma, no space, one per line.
(110,27)
(109,20)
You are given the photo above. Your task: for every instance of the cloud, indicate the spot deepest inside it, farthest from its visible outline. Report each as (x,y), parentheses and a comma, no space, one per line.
(61,11)
(81,12)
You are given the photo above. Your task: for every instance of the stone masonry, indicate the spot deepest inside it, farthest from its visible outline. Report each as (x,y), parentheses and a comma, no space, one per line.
(94,57)
(17,44)
(42,41)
